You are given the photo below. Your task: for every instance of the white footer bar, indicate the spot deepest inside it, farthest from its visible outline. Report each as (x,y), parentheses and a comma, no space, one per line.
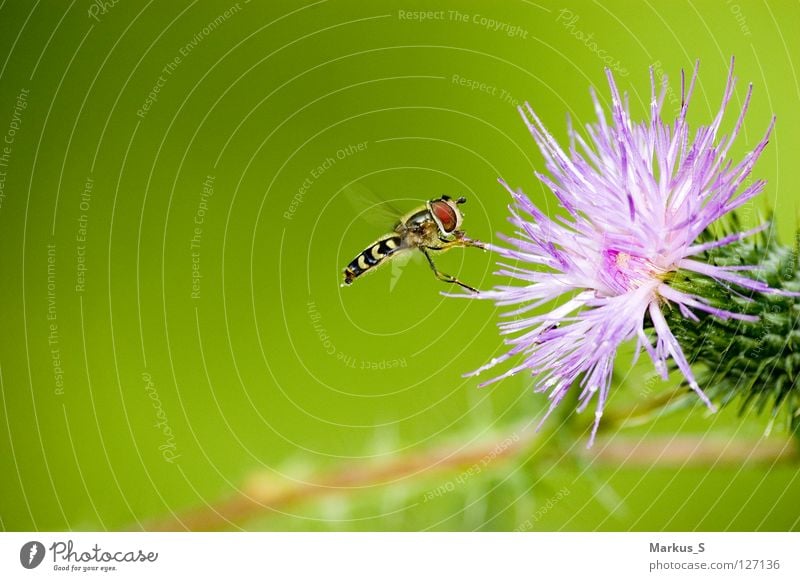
(388,556)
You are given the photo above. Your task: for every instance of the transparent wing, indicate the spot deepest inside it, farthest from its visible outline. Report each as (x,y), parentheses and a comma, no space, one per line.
(399,264)
(366,203)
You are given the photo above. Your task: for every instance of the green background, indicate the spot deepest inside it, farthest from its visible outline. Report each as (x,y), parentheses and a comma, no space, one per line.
(273,373)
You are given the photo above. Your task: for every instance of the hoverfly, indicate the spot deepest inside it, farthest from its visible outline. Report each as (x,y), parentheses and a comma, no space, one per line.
(434,227)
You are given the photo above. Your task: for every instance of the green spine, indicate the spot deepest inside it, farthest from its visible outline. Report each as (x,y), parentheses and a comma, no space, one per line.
(755,364)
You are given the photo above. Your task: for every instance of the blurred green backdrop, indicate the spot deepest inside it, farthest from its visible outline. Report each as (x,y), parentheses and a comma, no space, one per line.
(174,220)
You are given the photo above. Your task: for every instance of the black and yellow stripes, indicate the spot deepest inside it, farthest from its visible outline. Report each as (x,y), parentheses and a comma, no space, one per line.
(372,256)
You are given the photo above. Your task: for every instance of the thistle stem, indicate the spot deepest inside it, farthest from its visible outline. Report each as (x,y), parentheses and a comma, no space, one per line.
(641,412)
(685,451)
(263,494)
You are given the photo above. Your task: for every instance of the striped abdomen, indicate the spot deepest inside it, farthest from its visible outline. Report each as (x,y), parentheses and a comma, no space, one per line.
(372,256)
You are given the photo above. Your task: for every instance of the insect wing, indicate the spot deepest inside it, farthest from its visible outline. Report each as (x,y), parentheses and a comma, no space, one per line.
(369,206)
(399,263)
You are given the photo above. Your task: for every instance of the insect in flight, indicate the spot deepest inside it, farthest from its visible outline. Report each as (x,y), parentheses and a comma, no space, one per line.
(434,227)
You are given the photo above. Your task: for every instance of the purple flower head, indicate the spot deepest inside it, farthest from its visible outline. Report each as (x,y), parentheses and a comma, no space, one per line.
(636,197)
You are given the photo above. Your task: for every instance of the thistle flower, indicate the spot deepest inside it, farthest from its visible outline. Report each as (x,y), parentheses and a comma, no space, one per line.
(636,197)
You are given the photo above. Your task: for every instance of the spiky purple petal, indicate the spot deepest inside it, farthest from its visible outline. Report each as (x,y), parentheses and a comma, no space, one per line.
(637,197)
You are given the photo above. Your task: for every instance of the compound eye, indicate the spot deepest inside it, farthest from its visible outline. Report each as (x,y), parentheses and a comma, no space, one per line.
(445,214)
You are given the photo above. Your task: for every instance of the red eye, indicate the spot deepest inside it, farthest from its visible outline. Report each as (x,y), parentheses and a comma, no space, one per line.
(445,213)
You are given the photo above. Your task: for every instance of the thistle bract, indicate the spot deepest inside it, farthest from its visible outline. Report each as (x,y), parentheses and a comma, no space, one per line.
(757,366)
(636,198)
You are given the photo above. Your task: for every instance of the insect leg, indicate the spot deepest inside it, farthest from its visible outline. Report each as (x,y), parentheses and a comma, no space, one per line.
(460,240)
(441,275)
